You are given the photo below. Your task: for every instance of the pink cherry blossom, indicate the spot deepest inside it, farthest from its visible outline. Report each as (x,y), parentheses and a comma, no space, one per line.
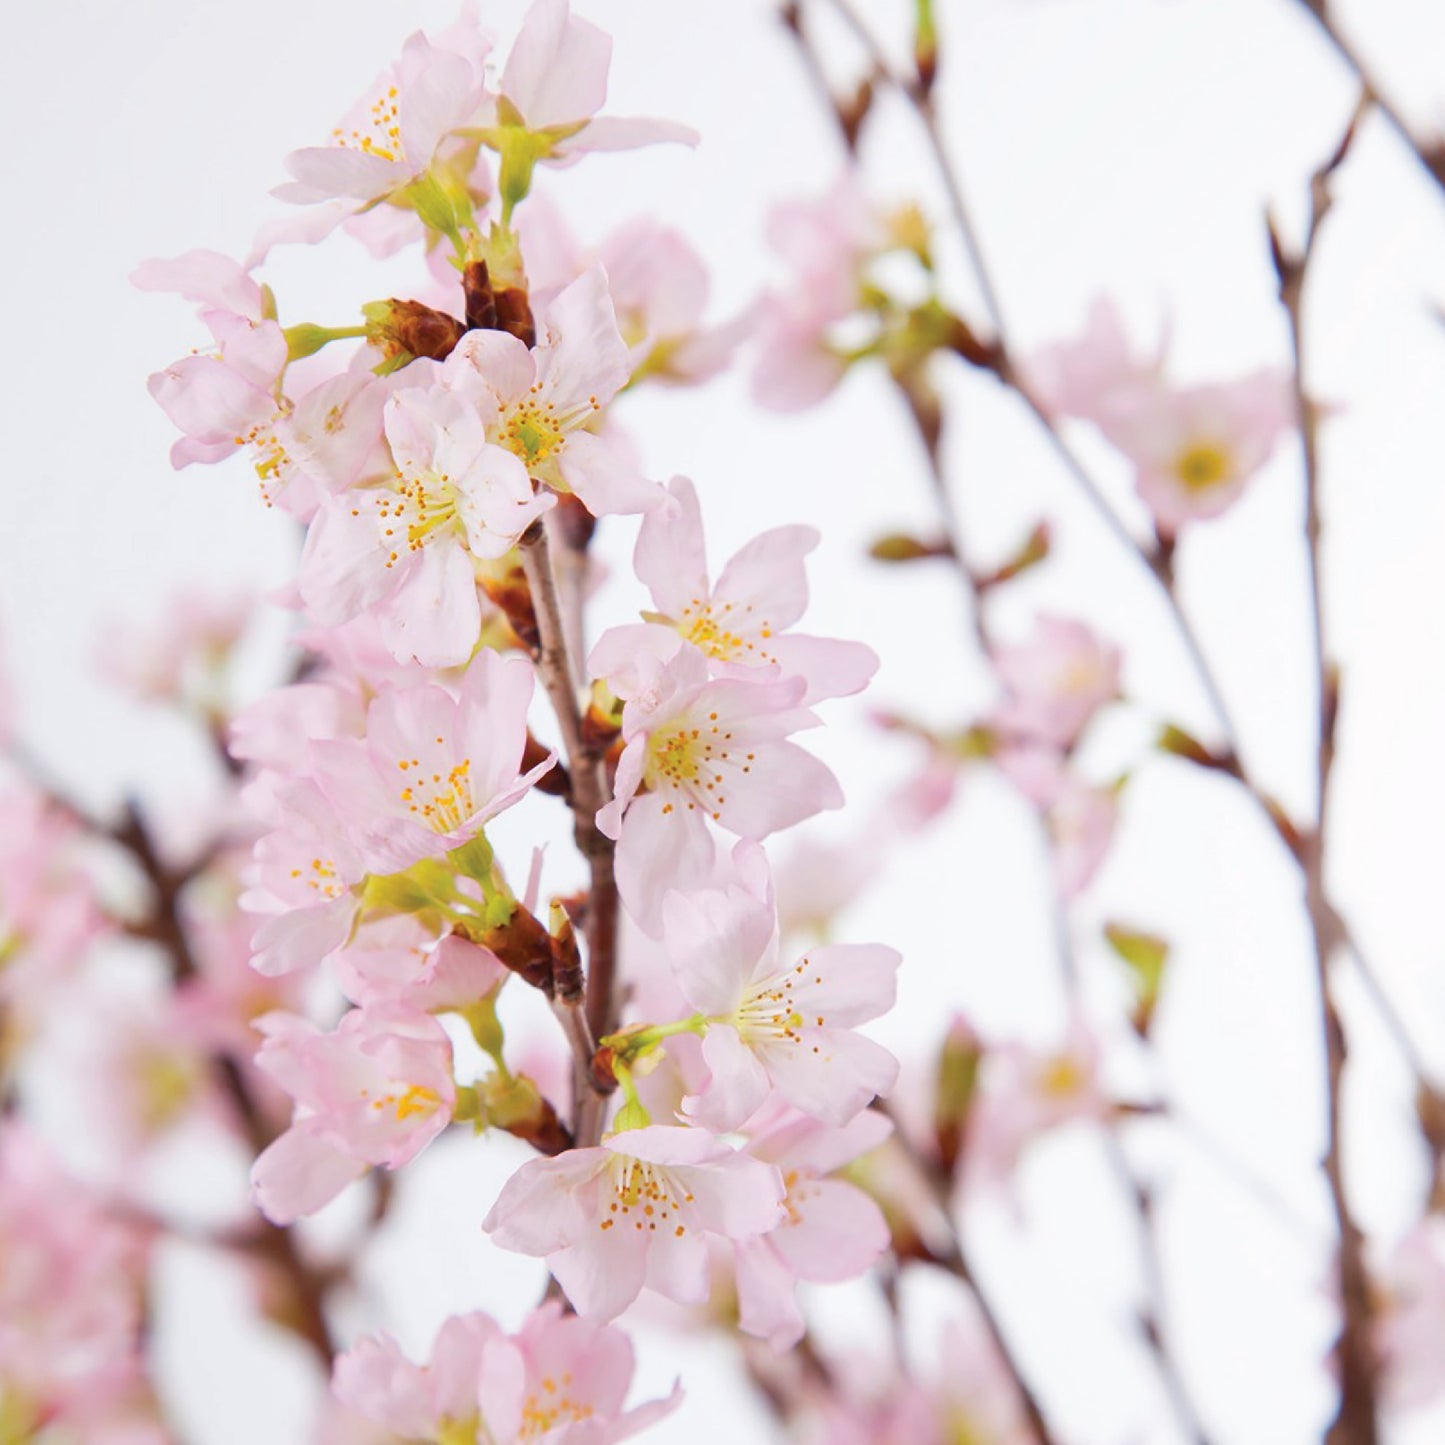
(182,658)
(560,1378)
(774,1023)
(826,243)
(1091,375)
(555,82)
(71,1304)
(705,750)
(547,400)
(1195,450)
(433,769)
(831,1230)
(228,398)
(404,546)
(332,438)
(394,132)
(1054,683)
(49,912)
(397,960)
(376,1091)
(1027,1091)
(637,1210)
(302,881)
(740,622)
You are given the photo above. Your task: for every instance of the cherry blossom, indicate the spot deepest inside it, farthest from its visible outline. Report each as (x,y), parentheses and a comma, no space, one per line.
(542,404)
(71,1305)
(1196,449)
(405,546)
(560,1378)
(376,1091)
(740,622)
(832,1231)
(433,769)
(394,132)
(776,1023)
(1054,683)
(637,1210)
(553,85)
(705,750)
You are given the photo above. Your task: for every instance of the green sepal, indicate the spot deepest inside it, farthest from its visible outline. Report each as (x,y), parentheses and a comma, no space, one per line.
(1146,955)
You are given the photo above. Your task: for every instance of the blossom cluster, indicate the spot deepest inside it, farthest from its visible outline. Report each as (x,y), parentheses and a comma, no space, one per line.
(705,1082)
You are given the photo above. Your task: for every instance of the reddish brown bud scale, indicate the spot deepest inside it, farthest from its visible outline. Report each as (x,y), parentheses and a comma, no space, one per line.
(496,308)
(524,946)
(412,329)
(513,598)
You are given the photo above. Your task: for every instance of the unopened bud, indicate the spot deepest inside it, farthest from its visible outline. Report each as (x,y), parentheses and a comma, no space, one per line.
(405,329)
(522,945)
(566,958)
(508,590)
(513,1104)
(900,547)
(956,1081)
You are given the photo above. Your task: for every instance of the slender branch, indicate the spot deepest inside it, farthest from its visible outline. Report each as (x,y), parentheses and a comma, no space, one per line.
(1156,560)
(954,1258)
(272,1242)
(589,796)
(1356,1421)
(1431,156)
(1151,1268)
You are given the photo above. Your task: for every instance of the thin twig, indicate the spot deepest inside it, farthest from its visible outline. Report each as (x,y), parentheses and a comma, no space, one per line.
(1356,1421)
(1432,156)
(589,796)
(272,1242)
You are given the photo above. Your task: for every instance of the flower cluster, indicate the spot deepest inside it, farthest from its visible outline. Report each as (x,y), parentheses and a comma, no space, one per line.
(449,472)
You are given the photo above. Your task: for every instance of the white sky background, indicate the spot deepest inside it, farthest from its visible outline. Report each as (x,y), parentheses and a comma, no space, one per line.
(1120,146)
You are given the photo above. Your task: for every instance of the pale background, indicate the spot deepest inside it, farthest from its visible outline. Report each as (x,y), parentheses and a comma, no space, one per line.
(1127,146)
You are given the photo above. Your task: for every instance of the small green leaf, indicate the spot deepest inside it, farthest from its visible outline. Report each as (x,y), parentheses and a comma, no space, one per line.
(1145,955)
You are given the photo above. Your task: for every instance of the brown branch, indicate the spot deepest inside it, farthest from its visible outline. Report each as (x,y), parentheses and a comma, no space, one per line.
(272,1242)
(1356,1421)
(589,794)
(1431,156)
(954,1258)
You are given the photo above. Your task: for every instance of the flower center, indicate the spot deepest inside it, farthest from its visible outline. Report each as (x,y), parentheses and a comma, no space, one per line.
(689,760)
(645,1196)
(534,432)
(551,1406)
(770,1010)
(415,507)
(1203,466)
(379,134)
(443,801)
(1062,1077)
(415,1099)
(323,878)
(714,632)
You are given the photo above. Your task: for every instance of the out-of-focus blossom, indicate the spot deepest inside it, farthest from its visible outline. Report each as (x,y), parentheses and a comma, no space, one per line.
(1410,1317)
(71,1306)
(1054,683)
(559,1379)
(1195,450)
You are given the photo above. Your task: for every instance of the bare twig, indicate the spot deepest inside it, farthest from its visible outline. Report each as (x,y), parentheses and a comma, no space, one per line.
(589,794)
(1356,1421)
(1431,156)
